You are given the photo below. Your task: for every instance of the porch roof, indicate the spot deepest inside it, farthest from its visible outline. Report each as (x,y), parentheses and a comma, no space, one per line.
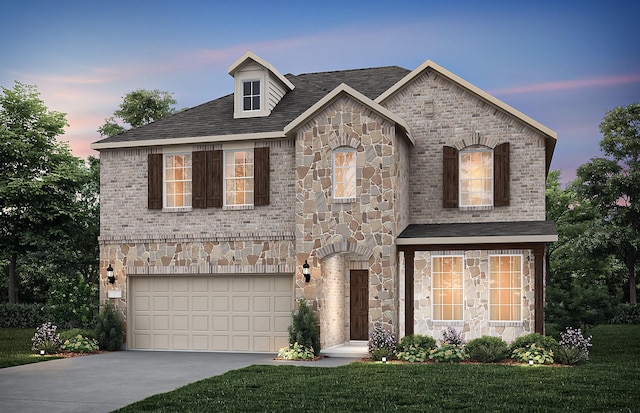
(479,233)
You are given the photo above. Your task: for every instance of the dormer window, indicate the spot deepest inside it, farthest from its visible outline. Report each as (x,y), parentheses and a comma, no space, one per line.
(251,95)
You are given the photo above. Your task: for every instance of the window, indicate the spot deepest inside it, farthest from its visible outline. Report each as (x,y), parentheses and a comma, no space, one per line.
(251,95)
(505,287)
(177,181)
(238,177)
(446,287)
(476,177)
(344,173)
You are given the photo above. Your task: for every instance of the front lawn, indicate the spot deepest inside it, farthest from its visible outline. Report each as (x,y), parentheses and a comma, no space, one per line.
(609,382)
(15,347)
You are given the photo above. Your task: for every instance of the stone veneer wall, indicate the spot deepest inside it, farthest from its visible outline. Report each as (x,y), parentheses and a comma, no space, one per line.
(367,226)
(476,297)
(441,113)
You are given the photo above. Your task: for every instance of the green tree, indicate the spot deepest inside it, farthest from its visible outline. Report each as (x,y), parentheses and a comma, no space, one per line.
(612,186)
(138,108)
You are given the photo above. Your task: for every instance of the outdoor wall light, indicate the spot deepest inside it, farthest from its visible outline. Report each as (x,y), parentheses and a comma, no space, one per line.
(306,272)
(110,275)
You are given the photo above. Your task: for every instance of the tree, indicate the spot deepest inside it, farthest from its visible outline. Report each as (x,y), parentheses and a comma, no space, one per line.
(42,203)
(612,186)
(138,108)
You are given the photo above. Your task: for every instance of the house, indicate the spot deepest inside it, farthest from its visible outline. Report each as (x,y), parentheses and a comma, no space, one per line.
(416,199)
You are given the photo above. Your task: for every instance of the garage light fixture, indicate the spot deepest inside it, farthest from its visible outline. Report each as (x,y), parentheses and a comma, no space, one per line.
(110,275)
(306,272)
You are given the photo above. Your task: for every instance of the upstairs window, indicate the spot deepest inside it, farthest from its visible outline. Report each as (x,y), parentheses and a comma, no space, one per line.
(177,181)
(344,173)
(476,177)
(238,177)
(251,95)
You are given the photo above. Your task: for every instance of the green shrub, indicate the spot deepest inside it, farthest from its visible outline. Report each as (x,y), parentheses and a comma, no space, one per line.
(80,344)
(67,334)
(109,328)
(626,313)
(23,315)
(296,352)
(304,328)
(533,353)
(487,349)
(73,302)
(381,344)
(448,353)
(46,338)
(415,348)
(546,342)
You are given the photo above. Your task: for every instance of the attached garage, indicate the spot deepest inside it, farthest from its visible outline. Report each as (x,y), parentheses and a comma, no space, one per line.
(243,313)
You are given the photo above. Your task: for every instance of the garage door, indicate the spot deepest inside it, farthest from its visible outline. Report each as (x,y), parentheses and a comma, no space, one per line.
(214,313)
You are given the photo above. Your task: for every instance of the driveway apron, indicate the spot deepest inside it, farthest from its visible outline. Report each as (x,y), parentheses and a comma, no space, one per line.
(108,381)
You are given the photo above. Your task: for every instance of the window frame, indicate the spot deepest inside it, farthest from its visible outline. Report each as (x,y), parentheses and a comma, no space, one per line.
(334,179)
(490,177)
(226,178)
(520,304)
(165,192)
(451,289)
(252,95)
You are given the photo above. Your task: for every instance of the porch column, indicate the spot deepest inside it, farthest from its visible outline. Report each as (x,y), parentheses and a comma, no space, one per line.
(409,265)
(538,254)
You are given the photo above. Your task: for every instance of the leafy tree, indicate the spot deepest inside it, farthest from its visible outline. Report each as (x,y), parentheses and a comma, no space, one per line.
(612,186)
(138,108)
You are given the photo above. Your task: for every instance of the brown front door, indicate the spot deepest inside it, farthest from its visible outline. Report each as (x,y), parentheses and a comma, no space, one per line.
(359,305)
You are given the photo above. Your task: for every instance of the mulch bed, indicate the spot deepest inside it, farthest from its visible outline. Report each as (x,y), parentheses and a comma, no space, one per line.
(70,354)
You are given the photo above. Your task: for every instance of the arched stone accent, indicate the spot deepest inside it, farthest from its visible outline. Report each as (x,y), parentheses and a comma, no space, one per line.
(476,138)
(343,246)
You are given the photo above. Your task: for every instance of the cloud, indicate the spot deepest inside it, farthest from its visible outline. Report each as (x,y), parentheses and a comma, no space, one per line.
(571,84)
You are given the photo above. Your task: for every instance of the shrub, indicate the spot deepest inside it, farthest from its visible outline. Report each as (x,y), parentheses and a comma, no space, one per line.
(448,353)
(80,344)
(304,328)
(23,315)
(67,334)
(451,336)
(573,347)
(415,348)
(296,352)
(535,353)
(626,313)
(487,349)
(381,344)
(546,342)
(73,302)
(46,338)
(109,328)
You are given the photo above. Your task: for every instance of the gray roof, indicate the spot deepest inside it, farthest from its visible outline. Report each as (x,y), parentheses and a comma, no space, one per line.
(216,117)
(480,229)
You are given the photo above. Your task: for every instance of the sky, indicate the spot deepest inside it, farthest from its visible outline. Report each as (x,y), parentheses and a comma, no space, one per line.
(562,63)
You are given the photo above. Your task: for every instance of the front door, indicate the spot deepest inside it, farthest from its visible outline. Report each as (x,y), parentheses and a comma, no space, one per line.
(359,305)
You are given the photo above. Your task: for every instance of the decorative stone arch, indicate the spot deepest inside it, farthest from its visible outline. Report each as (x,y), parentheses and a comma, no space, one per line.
(476,139)
(343,246)
(336,141)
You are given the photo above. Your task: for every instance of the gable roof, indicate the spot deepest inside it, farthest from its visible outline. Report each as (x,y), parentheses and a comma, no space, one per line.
(213,121)
(249,55)
(550,135)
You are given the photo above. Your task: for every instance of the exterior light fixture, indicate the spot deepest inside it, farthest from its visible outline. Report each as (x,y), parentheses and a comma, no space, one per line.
(110,275)
(531,362)
(42,352)
(384,359)
(306,272)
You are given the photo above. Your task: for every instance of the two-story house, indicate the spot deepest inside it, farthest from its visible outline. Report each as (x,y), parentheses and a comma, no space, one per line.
(413,199)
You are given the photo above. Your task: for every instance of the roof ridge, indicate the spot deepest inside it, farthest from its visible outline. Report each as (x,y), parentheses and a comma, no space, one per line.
(348,70)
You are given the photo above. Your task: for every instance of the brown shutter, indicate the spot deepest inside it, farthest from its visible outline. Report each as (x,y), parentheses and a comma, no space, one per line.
(501,184)
(214,178)
(154,188)
(199,179)
(261,176)
(449,177)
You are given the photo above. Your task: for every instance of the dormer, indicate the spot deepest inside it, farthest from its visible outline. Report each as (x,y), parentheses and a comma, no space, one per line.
(258,86)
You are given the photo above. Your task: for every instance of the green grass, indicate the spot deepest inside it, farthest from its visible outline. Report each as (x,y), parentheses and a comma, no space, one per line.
(607,383)
(15,347)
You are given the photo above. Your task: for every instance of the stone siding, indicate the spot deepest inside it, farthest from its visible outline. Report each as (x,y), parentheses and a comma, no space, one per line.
(441,113)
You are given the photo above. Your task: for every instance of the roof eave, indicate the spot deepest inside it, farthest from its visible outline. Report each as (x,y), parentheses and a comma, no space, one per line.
(490,239)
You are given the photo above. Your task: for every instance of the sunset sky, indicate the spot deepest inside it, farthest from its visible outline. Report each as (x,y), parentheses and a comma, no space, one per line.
(563,63)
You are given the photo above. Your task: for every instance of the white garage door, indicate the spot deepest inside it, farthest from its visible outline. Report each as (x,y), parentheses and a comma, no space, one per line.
(212,313)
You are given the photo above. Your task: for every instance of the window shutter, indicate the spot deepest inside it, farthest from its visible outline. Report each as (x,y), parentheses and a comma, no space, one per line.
(501,184)
(154,188)
(261,176)
(199,179)
(449,177)
(214,178)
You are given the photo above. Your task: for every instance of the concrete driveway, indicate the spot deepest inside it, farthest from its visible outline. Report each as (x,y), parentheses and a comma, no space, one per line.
(105,382)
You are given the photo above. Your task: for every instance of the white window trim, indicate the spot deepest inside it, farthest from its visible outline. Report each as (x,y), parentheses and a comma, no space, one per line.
(506,322)
(165,208)
(233,207)
(469,149)
(437,321)
(344,199)
(251,75)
